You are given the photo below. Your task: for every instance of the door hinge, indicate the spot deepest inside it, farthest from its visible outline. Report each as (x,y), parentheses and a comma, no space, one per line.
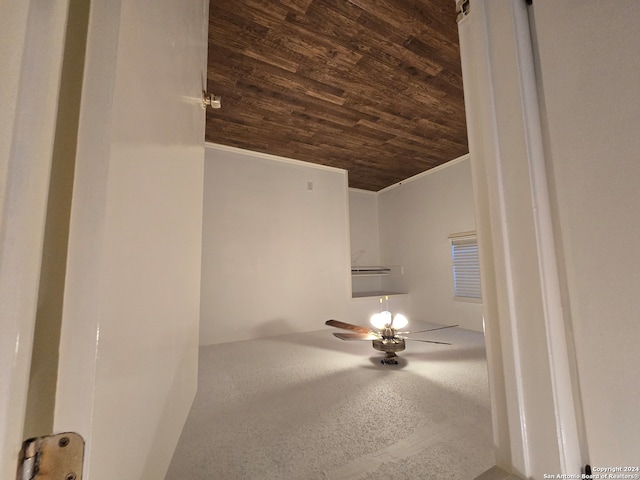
(55,457)
(462,9)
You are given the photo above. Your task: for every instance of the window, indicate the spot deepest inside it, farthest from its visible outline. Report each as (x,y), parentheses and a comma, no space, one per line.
(466,266)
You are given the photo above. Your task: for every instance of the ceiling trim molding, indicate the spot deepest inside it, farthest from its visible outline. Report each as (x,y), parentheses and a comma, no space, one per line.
(361,190)
(275,158)
(450,163)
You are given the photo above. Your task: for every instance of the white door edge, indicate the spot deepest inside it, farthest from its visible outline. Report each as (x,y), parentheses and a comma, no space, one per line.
(31,53)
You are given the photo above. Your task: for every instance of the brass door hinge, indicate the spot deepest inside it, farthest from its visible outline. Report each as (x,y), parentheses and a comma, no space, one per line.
(55,457)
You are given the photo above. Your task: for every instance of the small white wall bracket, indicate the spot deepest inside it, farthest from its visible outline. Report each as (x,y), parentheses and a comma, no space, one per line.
(211,100)
(462,9)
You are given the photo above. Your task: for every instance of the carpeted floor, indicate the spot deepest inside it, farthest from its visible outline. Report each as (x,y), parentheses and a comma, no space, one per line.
(310,406)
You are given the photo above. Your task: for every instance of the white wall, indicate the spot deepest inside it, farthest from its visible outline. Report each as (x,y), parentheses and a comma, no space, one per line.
(589,71)
(365,241)
(416,219)
(363,226)
(275,254)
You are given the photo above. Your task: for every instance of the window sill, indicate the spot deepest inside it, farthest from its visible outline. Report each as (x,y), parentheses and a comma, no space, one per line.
(467,299)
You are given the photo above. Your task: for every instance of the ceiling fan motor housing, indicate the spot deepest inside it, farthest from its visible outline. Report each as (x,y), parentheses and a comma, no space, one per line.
(391,345)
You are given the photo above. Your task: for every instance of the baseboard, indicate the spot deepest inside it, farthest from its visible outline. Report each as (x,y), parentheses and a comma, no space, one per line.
(496,473)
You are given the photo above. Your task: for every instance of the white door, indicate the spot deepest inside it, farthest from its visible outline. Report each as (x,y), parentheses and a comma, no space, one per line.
(128,346)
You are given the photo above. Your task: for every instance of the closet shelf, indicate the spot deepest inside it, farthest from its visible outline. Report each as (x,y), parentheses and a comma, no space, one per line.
(376,280)
(377,293)
(370,271)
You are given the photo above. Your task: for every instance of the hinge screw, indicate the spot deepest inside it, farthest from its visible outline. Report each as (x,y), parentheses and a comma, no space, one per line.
(63,442)
(70,476)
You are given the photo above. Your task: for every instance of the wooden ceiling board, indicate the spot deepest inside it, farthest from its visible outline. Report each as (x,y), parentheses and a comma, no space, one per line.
(372,87)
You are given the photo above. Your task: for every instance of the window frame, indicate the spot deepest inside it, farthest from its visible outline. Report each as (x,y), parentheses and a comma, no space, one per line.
(472,291)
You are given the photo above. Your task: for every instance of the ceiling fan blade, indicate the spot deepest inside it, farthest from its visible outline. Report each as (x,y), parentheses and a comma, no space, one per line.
(425,341)
(430,329)
(347,326)
(356,336)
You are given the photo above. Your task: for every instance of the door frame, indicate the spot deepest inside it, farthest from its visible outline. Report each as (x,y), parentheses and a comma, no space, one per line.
(531,371)
(31,53)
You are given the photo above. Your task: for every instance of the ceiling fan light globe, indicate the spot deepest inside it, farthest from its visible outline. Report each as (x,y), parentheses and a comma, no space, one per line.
(381,320)
(400,321)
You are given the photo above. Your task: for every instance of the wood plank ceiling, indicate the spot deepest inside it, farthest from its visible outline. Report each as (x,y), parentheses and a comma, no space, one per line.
(370,86)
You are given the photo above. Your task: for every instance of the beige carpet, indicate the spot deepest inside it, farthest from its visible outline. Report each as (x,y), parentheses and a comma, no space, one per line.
(310,406)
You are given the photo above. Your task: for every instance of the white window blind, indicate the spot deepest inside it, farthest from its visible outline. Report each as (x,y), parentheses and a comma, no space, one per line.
(466,266)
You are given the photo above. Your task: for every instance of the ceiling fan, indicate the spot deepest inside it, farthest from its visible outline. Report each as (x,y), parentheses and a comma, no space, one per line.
(386,338)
